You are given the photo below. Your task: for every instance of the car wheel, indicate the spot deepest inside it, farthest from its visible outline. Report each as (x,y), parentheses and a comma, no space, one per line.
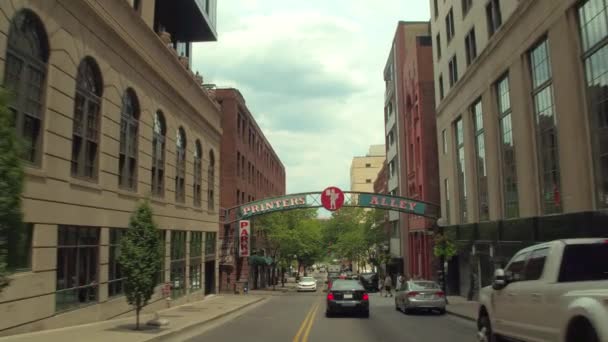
(366,314)
(442,311)
(407,310)
(484,329)
(397,305)
(327,314)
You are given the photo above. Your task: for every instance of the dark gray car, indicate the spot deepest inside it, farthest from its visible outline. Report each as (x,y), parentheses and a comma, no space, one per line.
(347,296)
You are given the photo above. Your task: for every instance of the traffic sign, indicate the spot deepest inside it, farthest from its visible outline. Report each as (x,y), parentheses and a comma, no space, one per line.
(332,198)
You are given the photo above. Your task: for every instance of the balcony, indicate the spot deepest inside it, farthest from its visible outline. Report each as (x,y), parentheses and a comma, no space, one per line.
(186,20)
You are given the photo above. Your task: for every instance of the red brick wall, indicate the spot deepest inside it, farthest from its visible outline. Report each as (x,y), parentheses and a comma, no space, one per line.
(269,183)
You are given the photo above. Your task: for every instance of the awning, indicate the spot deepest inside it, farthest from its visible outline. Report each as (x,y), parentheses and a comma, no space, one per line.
(260,260)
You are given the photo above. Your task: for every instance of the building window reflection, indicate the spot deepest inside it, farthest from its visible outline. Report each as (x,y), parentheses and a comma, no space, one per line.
(546,129)
(480,154)
(178,263)
(509,171)
(593,24)
(460,167)
(77,266)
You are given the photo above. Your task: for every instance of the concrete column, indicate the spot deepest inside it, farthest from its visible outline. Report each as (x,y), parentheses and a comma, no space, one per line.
(104,258)
(524,137)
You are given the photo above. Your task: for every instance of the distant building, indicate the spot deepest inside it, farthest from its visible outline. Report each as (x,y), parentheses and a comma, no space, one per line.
(364,169)
(109,116)
(250,170)
(522,126)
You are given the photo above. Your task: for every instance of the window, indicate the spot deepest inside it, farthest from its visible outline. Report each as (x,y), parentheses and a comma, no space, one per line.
(449,25)
(178,263)
(180,166)
(593,16)
(546,129)
(435,9)
(493,16)
(584,263)
(196,263)
(391,138)
(207,7)
(243,167)
(19,248)
(210,243)
(470,46)
(115,276)
(368,180)
(158,154)
(137,5)
(453,70)
(77,266)
(444,141)
(27,55)
(211,181)
(368,165)
(509,171)
(198,174)
(163,256)
(129,127)
(85,132)
(461,169)
(515,269)
(446,187)
(466,6)
(441,93)
(438,45)
(391,168)
(238,163)
(536,264)
(482,172)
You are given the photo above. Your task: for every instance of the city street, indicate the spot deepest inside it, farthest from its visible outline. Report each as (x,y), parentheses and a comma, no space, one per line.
(284,318)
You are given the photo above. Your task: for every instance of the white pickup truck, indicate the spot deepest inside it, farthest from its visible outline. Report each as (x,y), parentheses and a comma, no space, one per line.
(554,291)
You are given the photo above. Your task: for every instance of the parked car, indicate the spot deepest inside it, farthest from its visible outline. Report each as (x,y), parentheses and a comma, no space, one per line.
(554,291)
(420,295)
(347,296)
(307,284)
(369,281)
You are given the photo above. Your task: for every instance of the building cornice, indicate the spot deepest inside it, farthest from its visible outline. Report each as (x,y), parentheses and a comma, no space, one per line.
(485,54)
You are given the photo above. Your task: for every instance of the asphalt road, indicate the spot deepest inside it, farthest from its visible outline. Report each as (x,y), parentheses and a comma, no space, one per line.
(284,318)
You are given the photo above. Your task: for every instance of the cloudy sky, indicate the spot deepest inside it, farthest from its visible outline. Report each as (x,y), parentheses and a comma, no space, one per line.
(311,73)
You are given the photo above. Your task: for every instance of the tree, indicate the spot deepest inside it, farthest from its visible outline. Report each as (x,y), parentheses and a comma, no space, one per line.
(11,185)
(140,255)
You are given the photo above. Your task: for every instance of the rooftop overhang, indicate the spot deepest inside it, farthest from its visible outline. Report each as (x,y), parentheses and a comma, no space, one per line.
(186,20)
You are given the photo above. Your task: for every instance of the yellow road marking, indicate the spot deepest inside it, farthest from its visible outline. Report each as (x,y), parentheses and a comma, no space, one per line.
(310,322)
(308,315)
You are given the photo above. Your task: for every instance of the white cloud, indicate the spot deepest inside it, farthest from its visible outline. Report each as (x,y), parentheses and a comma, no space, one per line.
(311,73)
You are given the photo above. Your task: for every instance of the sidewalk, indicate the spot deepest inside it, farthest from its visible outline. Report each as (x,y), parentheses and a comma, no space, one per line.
(461,307)
(181,319)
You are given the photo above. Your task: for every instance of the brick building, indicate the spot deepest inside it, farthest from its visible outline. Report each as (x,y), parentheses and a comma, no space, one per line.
(250,170)
(411,148)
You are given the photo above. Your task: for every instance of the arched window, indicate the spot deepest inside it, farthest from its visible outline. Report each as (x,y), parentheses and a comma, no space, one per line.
(85,132)
(198,173)
(27,55)
(129,127)
(180,166)
(211,181)
(158,154)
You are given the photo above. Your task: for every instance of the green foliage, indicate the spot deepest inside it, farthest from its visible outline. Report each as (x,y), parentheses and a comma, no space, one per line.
(355,234)
(11,184)
(292,233)
(444,247)
(140,256)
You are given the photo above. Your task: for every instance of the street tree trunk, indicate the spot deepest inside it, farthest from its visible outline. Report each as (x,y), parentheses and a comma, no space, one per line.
(137,311)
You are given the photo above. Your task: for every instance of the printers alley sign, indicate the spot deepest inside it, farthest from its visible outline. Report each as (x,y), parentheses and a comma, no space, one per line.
(273,204)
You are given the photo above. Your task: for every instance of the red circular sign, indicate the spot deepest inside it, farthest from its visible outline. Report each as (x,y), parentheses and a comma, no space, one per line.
(332,198)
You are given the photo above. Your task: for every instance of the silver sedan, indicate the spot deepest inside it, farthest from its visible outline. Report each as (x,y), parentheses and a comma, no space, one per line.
(420,295)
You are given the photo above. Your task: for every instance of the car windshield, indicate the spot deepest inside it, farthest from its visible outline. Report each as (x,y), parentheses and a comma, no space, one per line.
(307,279)
(423,285)
(345,285)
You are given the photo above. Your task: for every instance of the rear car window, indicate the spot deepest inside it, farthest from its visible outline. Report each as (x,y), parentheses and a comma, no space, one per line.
(423,285)
(584,262)
(343,285)
(308,279)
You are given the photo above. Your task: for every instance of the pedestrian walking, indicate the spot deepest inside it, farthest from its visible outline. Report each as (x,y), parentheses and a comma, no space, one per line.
(380,286)
(399,282)
(388,283)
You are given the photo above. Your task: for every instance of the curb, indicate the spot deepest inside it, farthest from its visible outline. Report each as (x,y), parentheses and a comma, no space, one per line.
(185,329)
(463,316)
